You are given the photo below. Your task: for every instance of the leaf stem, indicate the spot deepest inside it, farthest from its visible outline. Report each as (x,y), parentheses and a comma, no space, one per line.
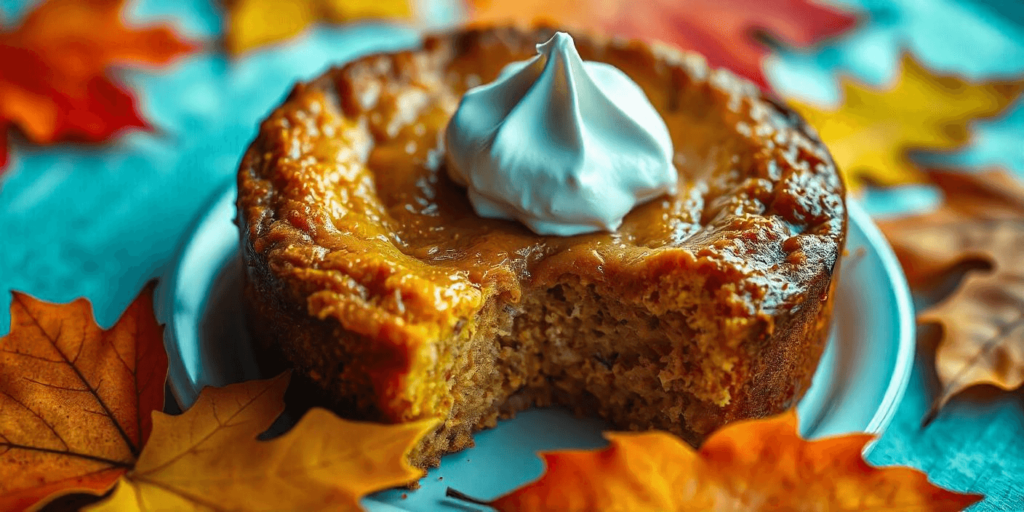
(459,495)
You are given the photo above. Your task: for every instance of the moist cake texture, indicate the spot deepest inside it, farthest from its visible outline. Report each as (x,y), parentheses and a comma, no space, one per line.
(368,270)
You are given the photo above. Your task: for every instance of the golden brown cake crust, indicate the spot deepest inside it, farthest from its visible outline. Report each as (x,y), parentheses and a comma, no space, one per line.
(368,269)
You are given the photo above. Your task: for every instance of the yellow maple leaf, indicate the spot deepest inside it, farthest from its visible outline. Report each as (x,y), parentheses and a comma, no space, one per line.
(872,132)
(209,458)
(254,23)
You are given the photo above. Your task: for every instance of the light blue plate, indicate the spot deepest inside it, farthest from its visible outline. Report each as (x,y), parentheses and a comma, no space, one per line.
(857,387)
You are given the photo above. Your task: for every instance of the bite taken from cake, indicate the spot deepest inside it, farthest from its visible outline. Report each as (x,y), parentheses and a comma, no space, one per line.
(508,218)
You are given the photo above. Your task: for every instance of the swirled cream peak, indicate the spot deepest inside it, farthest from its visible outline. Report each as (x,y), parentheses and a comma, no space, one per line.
(562,145)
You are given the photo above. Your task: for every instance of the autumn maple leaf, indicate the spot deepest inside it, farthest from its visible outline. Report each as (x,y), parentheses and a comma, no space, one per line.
(749,465)
(980,224)
(210,458)
(872,132)
(75,400)
(724,31)
(3,143)
(255,23)
(54,82)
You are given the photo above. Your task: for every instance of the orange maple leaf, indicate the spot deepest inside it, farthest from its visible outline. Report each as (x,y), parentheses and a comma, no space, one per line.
(749,466)
(210,458)
(978,228)
(724,31)
(53,71)
(3,145)
(75,400)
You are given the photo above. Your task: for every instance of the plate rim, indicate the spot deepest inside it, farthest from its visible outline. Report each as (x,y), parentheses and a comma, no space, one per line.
(165,294)
(905,339)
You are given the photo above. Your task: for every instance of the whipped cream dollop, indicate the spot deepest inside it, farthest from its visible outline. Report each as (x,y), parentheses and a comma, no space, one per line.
(562,145)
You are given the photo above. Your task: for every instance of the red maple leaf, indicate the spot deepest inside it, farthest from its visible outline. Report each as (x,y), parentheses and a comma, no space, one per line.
(3,145)
(54,82)
(724,31)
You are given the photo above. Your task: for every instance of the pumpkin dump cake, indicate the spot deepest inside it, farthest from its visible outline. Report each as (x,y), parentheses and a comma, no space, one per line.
(370,272)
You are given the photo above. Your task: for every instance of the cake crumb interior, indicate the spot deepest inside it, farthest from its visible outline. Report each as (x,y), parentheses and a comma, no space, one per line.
(571,346)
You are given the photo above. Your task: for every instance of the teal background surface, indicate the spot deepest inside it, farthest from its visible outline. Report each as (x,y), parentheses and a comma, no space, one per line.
(98,222)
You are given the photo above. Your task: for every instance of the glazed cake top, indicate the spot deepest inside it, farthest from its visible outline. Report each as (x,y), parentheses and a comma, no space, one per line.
(345,193)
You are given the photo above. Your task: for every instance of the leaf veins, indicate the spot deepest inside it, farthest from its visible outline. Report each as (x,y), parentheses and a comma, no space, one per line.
(73,414)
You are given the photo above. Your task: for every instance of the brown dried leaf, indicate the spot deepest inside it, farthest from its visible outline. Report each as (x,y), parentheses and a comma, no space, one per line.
(75,400)
(980,224)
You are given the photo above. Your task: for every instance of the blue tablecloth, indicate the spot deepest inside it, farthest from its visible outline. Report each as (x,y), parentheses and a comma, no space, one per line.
(99,222)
